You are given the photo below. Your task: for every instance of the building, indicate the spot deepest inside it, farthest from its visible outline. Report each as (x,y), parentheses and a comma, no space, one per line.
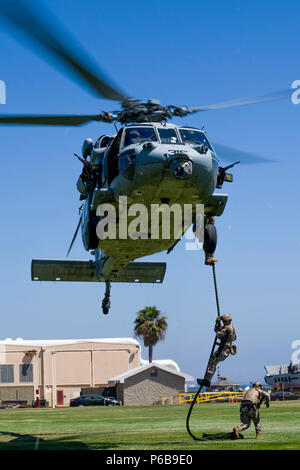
(57,370)
(149,384)
(223,384)
(284,377)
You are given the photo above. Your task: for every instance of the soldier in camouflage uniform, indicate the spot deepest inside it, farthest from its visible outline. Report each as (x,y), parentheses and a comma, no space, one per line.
(226,334)
(251,402)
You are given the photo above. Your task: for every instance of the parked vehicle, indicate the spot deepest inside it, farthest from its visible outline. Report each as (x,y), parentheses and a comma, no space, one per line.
(94,400)
(284,396)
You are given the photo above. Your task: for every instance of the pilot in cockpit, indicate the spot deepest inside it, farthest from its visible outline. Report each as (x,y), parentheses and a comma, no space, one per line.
(133,136)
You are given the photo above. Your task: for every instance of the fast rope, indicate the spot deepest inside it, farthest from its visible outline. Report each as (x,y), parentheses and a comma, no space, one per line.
(203,382)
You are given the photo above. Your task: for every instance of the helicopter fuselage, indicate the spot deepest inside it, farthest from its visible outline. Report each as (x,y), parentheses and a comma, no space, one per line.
(150,164)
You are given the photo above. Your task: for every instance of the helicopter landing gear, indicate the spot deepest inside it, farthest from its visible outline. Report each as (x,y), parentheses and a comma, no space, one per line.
(106,300)
(210,240)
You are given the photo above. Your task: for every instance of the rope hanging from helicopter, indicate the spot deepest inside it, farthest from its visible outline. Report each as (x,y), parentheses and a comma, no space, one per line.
(211,365)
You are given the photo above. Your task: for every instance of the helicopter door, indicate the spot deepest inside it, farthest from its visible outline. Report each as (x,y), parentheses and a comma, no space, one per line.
(112,159)
(89,222)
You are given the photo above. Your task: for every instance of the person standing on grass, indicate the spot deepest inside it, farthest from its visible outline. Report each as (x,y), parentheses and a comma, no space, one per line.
(250,405)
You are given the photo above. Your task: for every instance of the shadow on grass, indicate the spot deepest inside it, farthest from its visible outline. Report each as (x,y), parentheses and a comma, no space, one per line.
(30,442)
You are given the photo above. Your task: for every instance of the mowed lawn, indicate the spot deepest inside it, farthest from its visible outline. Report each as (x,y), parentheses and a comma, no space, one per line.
(144,428)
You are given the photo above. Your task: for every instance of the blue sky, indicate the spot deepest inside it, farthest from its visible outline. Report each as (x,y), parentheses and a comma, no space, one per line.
(186,53)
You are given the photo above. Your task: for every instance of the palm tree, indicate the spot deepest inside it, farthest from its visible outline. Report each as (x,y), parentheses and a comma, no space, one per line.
(151,327)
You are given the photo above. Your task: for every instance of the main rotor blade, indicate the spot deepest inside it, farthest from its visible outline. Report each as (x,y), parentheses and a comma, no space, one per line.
(74,237)
(47,120)
(229,154)
(280,95)
(60,46)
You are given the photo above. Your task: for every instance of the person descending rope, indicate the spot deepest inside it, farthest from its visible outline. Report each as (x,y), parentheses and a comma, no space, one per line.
(226,334)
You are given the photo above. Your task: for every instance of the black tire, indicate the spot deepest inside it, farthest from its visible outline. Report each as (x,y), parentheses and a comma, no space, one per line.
(210,239)
(106,307)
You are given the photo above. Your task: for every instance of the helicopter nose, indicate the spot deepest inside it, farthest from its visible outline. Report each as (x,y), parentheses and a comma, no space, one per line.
(181,169)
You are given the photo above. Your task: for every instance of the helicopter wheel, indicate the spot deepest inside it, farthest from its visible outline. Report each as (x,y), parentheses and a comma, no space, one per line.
(105,307)
(106,300)
(210,238)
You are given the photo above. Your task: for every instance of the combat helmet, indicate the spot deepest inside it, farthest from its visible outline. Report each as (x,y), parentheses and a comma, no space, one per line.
(257,385)
(226,317)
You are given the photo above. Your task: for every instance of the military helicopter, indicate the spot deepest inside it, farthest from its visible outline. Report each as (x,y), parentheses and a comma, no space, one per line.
(148,161)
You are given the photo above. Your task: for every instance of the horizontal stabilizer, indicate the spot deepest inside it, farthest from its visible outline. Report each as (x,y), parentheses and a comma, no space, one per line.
(85,271)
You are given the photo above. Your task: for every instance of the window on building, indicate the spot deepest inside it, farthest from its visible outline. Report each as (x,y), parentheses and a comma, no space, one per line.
(6,373)
(26,372)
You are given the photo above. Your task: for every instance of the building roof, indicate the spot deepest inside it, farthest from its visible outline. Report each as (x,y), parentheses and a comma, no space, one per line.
(224,383)
(137,370)
(163,362)
(60,342)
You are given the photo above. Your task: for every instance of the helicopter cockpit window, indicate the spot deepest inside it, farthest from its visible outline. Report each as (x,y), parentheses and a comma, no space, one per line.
(136,135)
(193,136)
(103,141)
(168,136)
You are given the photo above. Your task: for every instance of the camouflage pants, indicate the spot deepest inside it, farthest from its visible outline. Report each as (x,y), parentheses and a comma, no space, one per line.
(249,413)
(220,355)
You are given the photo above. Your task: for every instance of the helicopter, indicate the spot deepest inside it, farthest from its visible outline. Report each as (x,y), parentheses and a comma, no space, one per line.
(148,161)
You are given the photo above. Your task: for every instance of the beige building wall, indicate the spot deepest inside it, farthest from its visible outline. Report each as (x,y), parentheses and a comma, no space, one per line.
(146,389)
(66,368)
(73,367)
(121,361)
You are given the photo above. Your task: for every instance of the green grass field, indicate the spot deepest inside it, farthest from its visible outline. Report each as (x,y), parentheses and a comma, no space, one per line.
(145,428)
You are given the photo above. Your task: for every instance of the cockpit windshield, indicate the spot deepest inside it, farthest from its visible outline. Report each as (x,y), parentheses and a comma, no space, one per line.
(194,136)
(167,136)
(135,135)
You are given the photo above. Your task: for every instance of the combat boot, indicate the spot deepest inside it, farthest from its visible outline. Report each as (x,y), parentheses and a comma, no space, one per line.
(210,260)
